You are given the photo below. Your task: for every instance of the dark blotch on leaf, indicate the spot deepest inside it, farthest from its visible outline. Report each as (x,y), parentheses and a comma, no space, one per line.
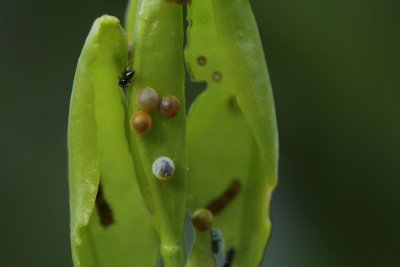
(201,60)
(219,203)
(103,208)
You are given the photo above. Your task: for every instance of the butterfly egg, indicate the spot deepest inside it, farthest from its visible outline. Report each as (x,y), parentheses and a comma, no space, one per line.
(141,122)
(163,168)
(147,99)
(169,106)
(202,219)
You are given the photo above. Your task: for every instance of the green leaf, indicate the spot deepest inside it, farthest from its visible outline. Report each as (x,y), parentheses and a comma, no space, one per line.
(130,19)
(232,134)
(201,253)
(158,61)
(208,250)
(117,232)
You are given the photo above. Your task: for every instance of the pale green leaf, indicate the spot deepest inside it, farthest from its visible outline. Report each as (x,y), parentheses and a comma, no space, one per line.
(232,132)
(99,153)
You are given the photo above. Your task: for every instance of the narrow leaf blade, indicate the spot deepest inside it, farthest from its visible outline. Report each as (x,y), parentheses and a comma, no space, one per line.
(109,225)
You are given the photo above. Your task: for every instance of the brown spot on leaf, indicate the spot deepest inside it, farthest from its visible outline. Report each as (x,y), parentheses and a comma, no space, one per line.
(217,76)
(201,60)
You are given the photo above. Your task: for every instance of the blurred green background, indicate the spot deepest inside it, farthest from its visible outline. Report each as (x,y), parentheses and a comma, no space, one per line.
(335,69)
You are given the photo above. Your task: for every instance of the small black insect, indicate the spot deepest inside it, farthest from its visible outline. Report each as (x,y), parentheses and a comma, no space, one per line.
(126,77)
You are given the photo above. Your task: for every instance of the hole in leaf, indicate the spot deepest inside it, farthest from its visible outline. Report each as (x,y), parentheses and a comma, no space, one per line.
(103,208)
(217,246)
(230,254)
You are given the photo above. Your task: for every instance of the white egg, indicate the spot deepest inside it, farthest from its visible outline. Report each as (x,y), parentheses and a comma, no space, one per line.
(163,168)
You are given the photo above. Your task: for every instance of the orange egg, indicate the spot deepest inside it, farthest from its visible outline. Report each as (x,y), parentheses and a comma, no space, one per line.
(141,122)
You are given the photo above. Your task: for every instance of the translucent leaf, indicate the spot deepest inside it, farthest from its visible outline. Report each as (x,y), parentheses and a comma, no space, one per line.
(109,224)
(232,136)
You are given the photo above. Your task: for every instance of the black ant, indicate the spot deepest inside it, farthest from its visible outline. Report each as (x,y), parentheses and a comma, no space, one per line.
(126,77)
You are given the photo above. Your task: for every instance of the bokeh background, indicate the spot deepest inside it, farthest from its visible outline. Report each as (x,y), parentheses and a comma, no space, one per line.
(335,69)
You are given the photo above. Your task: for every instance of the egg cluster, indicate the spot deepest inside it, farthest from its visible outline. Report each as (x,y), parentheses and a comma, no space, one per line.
(141,122)
(147,100)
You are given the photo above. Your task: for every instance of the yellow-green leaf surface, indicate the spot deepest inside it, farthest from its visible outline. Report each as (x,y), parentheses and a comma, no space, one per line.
(130,19)
(201,252)
(232,131)
(158,62)
(99,154)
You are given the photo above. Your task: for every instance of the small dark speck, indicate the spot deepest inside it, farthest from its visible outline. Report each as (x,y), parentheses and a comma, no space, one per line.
(217,76)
